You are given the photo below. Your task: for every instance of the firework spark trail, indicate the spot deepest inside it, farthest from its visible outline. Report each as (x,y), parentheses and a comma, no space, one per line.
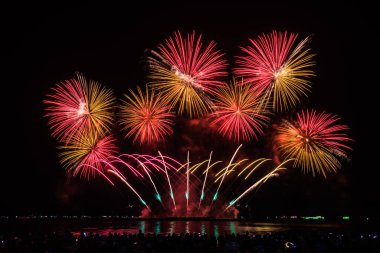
(149,159)
(158,196)
(263,179)
(265,100)
(187,181)
(249,165)
(100,172)
(204,182)
(133,169)
(233,166)
(109,163)
(167,176)
(212,165)
(130,187)
(263,161)
(225,173)
(197,166)
(220,173)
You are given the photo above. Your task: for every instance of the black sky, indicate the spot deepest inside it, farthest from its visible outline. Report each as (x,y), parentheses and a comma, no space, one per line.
(47,44)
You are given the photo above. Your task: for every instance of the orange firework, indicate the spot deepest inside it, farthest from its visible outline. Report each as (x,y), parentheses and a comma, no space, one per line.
(146,117)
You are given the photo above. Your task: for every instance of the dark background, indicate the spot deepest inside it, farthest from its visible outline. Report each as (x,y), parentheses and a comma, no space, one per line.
(47,43)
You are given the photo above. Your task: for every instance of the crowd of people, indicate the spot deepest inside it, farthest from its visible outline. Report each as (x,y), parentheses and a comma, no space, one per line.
(308,241)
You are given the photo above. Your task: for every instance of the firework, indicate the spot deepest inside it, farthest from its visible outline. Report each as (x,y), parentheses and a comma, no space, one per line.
(278,68)
(87,154)
(146,117)
(237,113)
(76,107)
(257,183)
(122,178)
(204,182)
(225,173)
(167,176)
(186,72)
(315,140)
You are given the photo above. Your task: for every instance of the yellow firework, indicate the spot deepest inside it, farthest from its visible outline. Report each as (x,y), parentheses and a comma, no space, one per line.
(186,73)
(87,154)
(277,68)
(237,112)
(315,141)
(99,105)
(77,107)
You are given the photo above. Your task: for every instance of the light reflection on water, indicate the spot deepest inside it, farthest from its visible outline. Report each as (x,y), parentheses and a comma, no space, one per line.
(209,227)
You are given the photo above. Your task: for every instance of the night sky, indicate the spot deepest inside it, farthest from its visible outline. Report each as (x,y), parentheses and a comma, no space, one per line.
(47,44)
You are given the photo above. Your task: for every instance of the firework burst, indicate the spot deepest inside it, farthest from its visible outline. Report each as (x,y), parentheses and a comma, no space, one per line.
(186,72)
(277,68)
(237,113)
(87,154)
(76,107)
(315,141)
(146,117)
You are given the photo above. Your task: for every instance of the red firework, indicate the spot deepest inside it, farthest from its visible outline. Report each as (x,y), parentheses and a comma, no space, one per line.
(146,117)
(314,140)
(88,154)
(238,114)
(274,65)
(77,106)
(201,67)
(186,72)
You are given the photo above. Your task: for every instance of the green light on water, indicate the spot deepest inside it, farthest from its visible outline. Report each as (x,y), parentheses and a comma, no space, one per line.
(142,226)
(157,228)
(314,218)
(216,232)
(345,217)
(203,229)
(232,228)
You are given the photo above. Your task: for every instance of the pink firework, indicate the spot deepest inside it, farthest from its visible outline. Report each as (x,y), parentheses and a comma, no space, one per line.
(88,154)
(277,68)
(185,72)
(238,115)
(314,140)
(77,106)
